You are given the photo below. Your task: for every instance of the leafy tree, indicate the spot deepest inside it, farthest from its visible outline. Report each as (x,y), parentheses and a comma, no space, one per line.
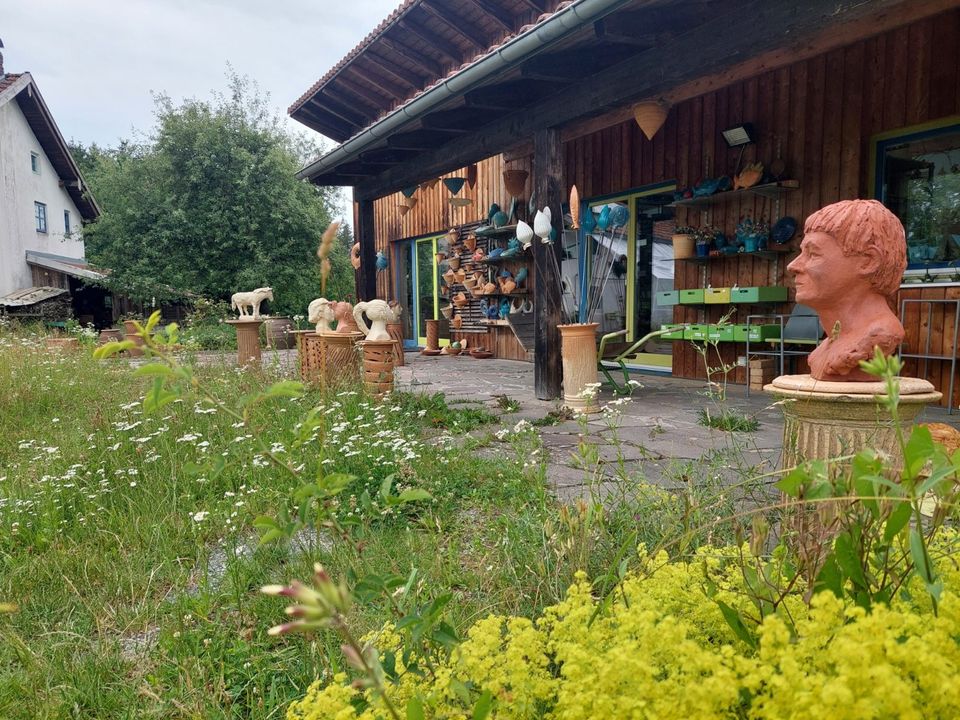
(210,204)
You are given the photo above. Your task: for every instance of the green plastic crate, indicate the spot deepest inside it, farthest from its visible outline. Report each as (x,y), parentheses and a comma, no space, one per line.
(670,297)
(695,332)
(716,296)
(740,333)
(691,297)
(720,333)
(758,294)
(759,333)
(676,332)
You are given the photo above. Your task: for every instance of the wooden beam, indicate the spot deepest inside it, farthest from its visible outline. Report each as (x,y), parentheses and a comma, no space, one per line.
(441,45)
(365,234)
(498,15)
(387,156)
(459,25)
(420,140)
(461,120)
(548,184)
(431,66)
(573,65)
(319,115)
(658,71)
(324,101)
(411,79)
(611,34)
(375,75)
(354,83)
(324,127)
(537,7)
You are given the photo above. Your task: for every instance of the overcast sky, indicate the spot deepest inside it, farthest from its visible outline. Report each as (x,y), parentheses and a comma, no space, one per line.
(97,61)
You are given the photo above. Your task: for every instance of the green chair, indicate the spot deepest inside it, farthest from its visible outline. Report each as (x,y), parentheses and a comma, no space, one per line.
(621,357)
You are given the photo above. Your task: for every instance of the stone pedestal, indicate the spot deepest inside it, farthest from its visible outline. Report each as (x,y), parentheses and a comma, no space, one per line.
(828,419)
(341,361)
(379,359)
(579,355)
(248,340)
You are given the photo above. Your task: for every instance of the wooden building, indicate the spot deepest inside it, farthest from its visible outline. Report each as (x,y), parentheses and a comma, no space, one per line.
(840,99)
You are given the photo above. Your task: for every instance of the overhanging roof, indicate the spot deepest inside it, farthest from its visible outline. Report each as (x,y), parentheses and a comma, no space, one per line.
(30,296)
(22,88)
(585,59)
(75,267)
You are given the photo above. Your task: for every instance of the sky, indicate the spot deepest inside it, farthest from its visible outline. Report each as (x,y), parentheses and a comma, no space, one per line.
(97,62)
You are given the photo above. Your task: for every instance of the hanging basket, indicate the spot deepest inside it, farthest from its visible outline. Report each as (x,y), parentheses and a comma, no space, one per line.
(650,116)
(515,181)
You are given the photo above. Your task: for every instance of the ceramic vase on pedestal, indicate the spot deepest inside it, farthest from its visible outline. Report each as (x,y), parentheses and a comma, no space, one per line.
(248,340)
(578,352)
(379,359)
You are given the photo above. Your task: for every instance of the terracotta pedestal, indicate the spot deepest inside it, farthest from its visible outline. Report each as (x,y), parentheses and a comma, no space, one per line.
(379,359)
(248,340)
(827,419)
(341,361)
(433,336)
(579,356)
(309,354)
(396,332)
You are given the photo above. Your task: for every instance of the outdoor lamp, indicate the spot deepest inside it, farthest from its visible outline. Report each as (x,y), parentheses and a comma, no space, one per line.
(739,135)
(650,116)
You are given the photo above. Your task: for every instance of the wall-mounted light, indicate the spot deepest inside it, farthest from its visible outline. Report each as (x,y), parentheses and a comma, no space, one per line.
(738,135)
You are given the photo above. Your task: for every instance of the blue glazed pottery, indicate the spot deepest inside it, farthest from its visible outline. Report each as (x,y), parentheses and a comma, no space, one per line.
(603,221)
(493,312)
(499,219)
(521,275)
(505,273)
(484,307)
(494,209)
(382,262)
(504,307)
(495,253)
(751,243)
(783,230)
(589,222)
(703,249)
(619,216)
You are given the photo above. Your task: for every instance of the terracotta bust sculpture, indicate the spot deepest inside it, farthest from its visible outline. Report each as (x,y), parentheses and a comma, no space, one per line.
(851,263)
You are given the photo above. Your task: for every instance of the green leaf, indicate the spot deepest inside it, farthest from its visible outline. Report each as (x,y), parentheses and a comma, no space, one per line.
(482,709)
(412,495)
(829,578)
(848,560)
(918,450)
(154,369)
(284,388)
(335,483)
(736,624)
(157,396)
(271,536)
(897,521)
(921,561)
(415,709)
(791,483)
(265,522)
(112,348)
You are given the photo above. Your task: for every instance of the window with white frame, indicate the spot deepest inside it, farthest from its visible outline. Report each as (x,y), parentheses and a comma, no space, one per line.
(35,162)
(40,215)
(66,221)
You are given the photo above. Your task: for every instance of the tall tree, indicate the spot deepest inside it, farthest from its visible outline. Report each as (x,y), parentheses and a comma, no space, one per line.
(210,205)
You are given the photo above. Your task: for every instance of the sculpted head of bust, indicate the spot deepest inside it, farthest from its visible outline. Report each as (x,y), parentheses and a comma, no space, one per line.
(850,266)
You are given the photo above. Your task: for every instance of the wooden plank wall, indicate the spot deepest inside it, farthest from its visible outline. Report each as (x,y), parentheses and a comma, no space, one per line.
(819,114)
(433,214)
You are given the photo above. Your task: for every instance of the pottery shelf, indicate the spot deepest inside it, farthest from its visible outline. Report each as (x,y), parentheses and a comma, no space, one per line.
(771,191)
(765,254)
(501,260)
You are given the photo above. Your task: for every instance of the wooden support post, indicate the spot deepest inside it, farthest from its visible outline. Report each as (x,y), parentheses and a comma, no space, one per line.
(367,285)
(548,190)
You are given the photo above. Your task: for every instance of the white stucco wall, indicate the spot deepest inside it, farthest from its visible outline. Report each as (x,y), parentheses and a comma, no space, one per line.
(20,187)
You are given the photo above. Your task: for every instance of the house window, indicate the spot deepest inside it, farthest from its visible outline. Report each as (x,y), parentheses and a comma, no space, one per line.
(40,215)
(35,162)
(918,178)
(66,221)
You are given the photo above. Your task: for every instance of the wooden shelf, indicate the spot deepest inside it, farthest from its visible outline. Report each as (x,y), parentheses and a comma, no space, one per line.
(768,190)
(766,254)
(500,260)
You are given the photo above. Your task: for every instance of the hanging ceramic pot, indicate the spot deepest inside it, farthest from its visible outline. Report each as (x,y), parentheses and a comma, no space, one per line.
(479,255)
(383,262)
(450,276)
(470,282)
(515,181)
(440,257)
(470,242)
(453,263)
(403,210)
(603,219)
(461,275)
(457,321)
(489,288)
(460,300)
(447,311)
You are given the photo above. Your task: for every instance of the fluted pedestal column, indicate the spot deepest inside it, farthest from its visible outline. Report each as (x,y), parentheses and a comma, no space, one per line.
(825,420)
(379,359)
(433,336)
(341,361)
(248,340)
(396,332)
(578,351)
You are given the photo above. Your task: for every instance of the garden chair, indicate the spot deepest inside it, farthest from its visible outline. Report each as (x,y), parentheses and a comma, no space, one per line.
(621,357)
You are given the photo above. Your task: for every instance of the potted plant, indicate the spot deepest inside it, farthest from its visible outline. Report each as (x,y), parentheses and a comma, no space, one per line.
(683,242)
(703,240)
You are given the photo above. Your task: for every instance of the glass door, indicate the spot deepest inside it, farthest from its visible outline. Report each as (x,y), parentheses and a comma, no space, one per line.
(417,282)
(427,306)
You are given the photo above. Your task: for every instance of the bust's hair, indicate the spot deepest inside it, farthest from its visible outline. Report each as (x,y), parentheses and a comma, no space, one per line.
(860,226)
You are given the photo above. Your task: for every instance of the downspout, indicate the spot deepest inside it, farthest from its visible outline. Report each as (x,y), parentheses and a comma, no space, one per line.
(506,57)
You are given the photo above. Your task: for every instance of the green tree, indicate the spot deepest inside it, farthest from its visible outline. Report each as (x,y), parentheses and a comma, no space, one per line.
(210,205)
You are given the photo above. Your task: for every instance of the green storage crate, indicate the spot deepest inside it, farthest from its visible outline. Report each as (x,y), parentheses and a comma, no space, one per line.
(740,333)
(676,331)
(691,297)
(759,333)
(670,297)
(716,296)
(695,332)
(720,333)
(758,294)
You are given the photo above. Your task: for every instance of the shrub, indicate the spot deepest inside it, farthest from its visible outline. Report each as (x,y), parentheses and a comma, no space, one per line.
(662,649)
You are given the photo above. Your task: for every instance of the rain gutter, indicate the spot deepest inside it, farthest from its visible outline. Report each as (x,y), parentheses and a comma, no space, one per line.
(505,57)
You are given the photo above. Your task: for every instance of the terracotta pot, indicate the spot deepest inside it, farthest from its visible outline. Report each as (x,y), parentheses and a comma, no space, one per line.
(460,300)
(457,322)
(515,181)
(489,288)
(461,275)
(470,282)
(61,343)
(447,311)
(508,286)
(477,290)
(109,335)
(450,276)
(683,246)
(578,352)
(470,243)
(440,257)
(453,263)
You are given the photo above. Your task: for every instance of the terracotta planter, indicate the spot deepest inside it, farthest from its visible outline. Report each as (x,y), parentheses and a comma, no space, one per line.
(683,246)
(515,181)
(130,333)
(433,335)
(578,352)
(278,333)
(341,361)
(109,335)
(395,330)
(379,358)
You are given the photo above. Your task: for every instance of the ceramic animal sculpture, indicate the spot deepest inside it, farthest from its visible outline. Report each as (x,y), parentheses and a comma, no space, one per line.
(242,300)
(343,312)
(320,313)
(379,313)
(851,261)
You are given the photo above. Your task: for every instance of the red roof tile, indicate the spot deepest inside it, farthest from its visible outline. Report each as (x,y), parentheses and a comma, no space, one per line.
(8,80)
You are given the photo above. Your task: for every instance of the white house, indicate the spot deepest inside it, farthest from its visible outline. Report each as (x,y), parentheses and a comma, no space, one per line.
(43,201)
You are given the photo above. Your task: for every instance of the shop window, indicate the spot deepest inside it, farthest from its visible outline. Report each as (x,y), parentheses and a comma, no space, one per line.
(40,216)
(918,178)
